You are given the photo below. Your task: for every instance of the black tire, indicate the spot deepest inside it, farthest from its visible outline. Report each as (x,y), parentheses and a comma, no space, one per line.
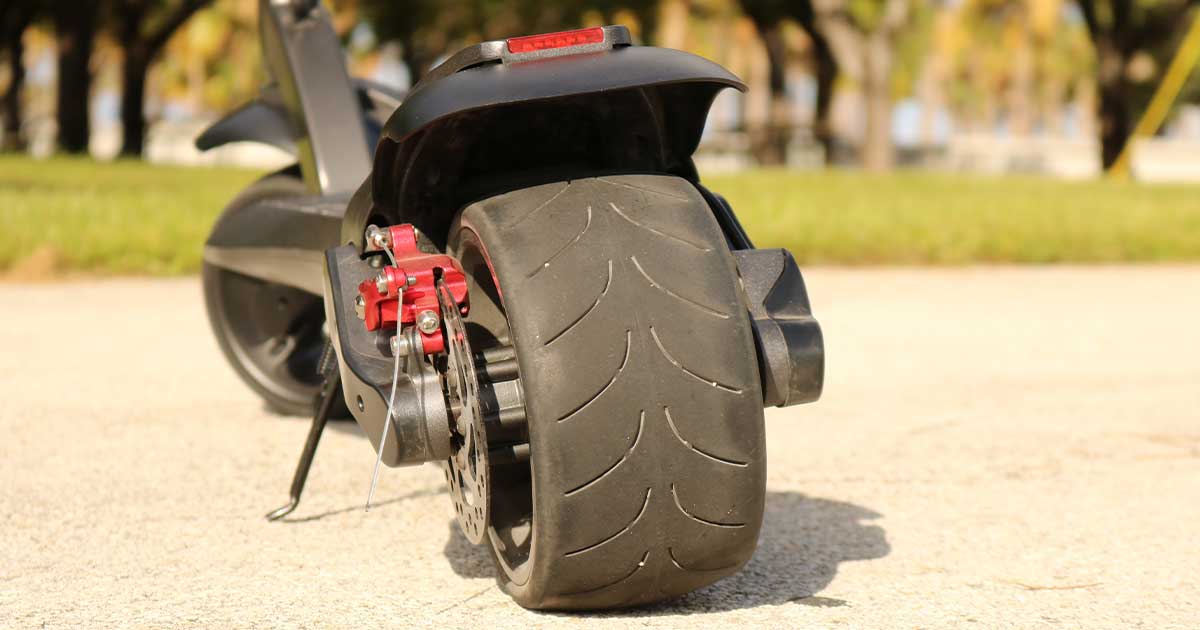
(247,313)
(646,477)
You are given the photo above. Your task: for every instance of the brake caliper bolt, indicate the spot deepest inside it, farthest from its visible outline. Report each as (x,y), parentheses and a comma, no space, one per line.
(427,322)
(376,237)
(381,283)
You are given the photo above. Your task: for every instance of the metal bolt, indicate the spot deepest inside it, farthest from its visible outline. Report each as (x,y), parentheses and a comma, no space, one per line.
(400,345)
(427,322)
(376,238)
(360,307)
(381,283)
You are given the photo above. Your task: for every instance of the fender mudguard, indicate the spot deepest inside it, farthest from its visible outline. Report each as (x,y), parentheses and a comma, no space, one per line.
(265,119)
(280,240)
(499,126)
(261,120)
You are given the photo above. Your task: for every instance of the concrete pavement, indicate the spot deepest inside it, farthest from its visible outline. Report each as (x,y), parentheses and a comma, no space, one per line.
(997,447)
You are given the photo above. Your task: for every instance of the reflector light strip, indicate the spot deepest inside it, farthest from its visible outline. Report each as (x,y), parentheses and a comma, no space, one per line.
(564,39)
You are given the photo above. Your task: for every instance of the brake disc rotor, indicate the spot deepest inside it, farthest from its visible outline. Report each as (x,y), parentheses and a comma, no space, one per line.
(467,468)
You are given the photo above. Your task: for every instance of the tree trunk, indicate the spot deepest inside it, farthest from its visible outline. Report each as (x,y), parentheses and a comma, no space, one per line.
(826,71)
(674,26)
(75,30)
(1021,88)
(10,103)
(770,148)
(647,17)
(140,49)
(133,93)
(878,153)
(929,92)
(1115,121)
(412,60)
(1114,90)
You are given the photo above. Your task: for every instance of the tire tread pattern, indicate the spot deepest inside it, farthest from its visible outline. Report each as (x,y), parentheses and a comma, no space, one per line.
(641,385)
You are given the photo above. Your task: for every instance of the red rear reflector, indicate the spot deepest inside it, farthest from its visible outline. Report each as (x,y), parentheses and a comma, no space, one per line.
(565,39)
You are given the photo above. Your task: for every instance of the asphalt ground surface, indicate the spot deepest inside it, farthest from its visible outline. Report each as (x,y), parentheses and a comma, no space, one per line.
(997,447)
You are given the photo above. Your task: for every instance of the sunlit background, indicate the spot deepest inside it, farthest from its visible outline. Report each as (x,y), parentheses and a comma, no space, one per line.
(1051,100)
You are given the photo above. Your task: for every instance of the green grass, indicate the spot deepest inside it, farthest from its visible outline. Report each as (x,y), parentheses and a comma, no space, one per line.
(66,215)
(923,218)
(112,218)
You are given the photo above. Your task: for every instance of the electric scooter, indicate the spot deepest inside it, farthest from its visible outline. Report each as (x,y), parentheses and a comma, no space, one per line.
(513,270)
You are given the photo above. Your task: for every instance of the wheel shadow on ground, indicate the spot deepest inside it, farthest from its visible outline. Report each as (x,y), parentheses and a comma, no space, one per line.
(803,542)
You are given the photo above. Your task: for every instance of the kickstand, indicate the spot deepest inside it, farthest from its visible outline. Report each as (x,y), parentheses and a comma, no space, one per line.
(331,390)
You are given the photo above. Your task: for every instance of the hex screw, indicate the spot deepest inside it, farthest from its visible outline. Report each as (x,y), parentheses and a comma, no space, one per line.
(381,283)
(360,307)
(427,322)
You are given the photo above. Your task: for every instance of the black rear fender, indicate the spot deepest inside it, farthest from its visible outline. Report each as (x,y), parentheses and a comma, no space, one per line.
(498,127)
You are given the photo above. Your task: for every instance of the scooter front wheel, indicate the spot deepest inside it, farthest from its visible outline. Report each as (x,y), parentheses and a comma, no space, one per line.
(645,474)
(270,333)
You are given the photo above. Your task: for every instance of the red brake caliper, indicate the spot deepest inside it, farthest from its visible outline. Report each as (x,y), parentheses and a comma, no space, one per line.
(407,291)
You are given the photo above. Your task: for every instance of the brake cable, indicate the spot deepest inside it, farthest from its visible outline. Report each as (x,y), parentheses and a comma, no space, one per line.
(387,421)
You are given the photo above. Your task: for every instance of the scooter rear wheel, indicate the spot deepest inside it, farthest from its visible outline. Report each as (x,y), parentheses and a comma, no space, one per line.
(646,473)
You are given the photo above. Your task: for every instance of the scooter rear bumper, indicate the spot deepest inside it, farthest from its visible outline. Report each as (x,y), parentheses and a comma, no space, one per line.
(791,349)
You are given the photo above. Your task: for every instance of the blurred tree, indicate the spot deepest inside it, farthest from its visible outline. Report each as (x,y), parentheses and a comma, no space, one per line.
(768,17)
(214,62)
(428,29)
(1134,39)
(75,33)
(1028,55)
(15,17)
(142,28)
(771,144)
(423,28)
(864,35)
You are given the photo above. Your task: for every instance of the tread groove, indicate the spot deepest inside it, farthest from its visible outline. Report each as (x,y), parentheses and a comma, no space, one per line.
(657,231)
(641,563)
(643,189)
(617,374)
(657,285)
(705,521)
(681,567)
(565,188)
(722,460)
(676,363)
(627,527)
(604,292)
(578,545)
(546,264)
(637,436)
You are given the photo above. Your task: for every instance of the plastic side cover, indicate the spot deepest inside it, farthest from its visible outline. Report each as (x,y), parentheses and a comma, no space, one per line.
(791,349)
